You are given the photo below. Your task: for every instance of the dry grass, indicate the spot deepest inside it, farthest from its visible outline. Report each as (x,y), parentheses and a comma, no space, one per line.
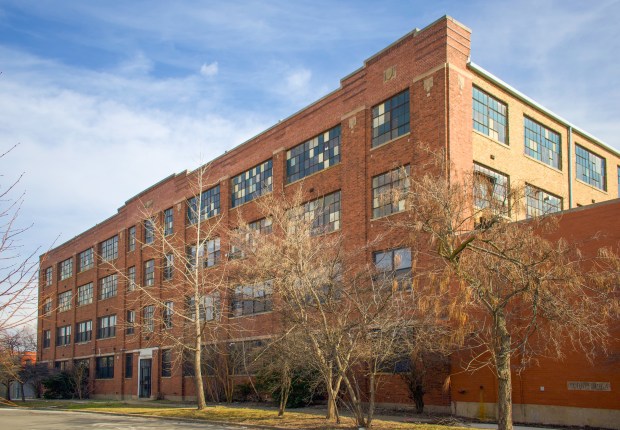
(229,414)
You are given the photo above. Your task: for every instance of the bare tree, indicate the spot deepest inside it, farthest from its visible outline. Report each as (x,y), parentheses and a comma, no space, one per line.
(351,318)
(524,292)
(183,312)
(285,363)
(78,378)
(304,270)
(18,286)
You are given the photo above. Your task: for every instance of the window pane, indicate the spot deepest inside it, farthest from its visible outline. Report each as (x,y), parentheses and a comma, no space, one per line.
(314,155)
(489,115)
(590,168)
(542,143)
(390,119)
(252,183)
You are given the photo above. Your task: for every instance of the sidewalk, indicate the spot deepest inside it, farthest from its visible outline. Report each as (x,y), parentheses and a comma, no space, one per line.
(383,415)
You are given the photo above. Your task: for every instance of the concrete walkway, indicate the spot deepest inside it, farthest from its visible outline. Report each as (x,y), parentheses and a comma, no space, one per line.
(383,415)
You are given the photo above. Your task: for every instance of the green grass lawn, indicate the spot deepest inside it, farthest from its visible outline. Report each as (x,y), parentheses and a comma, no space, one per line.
(231,414)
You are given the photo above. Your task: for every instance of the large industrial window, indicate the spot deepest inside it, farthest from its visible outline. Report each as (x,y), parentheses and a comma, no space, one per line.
(390,119)
(490,188)
(208,307)
(85,260)
(246,239)
(209,205)
(109,249)
(148,318)
(83,331)
(490,116)
(63,335)
(64,301)
(252,183)
(207,253)
(542,143)
(108,287)
(149,273)
(540,202)
(66,269)
(106,326)
(389,192)
(85,294)
(324,213)
(251,299)
(104,367)
(316,154)
(168,221)
(394,267)
(245,357)
(591,168)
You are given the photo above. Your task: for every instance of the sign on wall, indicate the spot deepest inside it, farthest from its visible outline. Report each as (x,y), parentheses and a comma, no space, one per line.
(589,386)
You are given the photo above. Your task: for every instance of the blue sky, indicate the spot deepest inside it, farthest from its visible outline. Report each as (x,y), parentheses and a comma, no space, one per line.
(106,98)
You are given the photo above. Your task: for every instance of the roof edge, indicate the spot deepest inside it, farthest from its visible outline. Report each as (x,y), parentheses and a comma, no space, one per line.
(518,94)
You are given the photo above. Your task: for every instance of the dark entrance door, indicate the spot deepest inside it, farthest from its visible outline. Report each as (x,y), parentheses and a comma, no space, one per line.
(145,378)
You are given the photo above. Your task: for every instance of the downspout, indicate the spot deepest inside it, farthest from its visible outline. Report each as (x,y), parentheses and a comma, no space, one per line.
(570,167)
(446,113)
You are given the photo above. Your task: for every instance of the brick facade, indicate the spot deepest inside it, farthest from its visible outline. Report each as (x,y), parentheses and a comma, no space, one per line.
(433,65)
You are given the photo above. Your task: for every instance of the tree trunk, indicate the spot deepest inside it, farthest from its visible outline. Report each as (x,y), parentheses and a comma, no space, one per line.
(371,401)
(285,392)
(356,406)
(283,400)
(333,387)
(418,398)
(331,404)
(504,382)
(200,392)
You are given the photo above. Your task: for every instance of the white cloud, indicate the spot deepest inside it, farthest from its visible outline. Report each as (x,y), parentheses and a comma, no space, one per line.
(294,85)
(90,141)
(209,69)
(138,64)
(298,81)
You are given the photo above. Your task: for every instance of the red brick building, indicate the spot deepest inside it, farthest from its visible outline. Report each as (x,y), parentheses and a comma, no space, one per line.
(421,90)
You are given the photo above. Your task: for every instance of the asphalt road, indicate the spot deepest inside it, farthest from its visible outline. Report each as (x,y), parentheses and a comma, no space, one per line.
(13,419)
